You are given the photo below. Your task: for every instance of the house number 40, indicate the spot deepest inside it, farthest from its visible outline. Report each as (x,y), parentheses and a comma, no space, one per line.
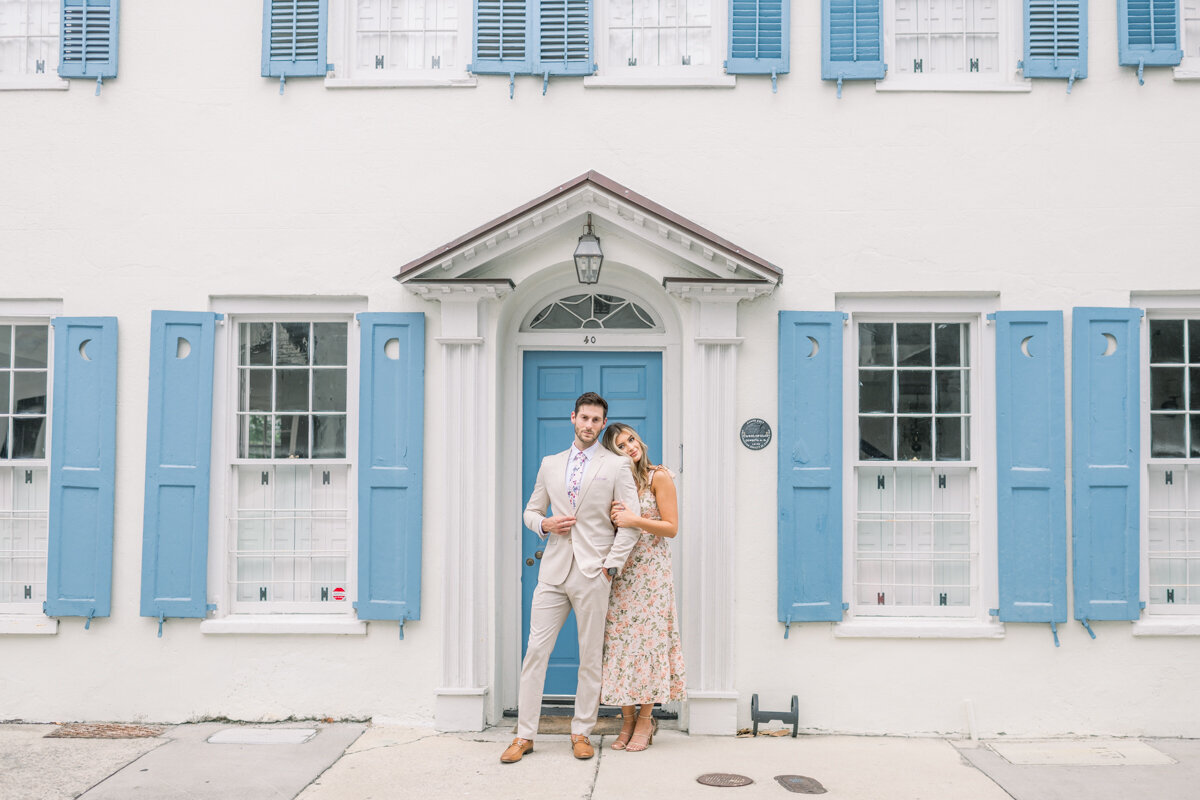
(589,340)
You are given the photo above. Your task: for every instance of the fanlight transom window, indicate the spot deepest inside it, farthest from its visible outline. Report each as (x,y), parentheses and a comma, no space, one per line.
(584,311)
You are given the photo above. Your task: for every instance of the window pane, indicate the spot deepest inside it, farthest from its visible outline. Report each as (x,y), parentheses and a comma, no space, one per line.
(1193,328)
(329,390)
(1195,449)
(291,343)
(291,390)
(291,436)
(329,436)
(29,437)
(1166,388)
(949,438)
(254,438)
(329,344)
(1194,389)
(949,391)
(4,422)
(5,376)
(915,436)
(875,438)
(875,344)
(950,349)
(29,393)
(255,390)
(255,343)
(5,346)
(1166,341)
(875,391)
(1166,436)
(913,344)
(31,346)
(916,393)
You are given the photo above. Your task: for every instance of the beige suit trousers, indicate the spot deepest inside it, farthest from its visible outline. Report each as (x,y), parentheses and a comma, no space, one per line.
(550,606)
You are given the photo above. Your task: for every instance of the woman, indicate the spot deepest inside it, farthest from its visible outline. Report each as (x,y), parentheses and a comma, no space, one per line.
(643,660)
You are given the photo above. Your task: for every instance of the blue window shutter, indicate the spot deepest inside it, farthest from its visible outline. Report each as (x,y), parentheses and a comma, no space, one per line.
(1031,466)
(82,467)
(1148,33)
(810,466)
(390,435)
(565,37)
(1055,39)
(1105,462)
(758,37)
(87,45)
(502,37)
(293,38)
(178,445)
(852,40)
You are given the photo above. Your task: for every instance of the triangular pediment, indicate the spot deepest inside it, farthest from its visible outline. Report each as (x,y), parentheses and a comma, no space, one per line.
(705,255)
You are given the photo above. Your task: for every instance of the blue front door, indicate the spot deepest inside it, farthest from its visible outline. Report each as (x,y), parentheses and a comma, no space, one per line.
(632,385)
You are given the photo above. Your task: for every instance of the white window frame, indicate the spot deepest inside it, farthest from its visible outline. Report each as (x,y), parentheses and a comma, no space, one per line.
(47,80)
(1159,619)
(970,308)
(611,74)
(34,606)
(1007,77)
(1189,67)
(228,618)
(343,16)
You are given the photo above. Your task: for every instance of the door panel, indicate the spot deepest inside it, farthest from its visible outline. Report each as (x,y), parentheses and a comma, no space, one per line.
(552,380)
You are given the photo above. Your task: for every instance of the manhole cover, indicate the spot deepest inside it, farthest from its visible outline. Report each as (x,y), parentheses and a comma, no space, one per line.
(104,730)
(724,779)
(800,784)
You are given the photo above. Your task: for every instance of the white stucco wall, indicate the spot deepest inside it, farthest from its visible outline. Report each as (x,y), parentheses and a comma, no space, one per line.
(191,177)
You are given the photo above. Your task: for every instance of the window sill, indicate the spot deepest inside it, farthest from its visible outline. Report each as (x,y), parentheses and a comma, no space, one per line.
(299,625)
(911,628)
(1187,72)
(1167,626)
(28,625)
(464,81)
(949,84)
(659,82)
(34,84)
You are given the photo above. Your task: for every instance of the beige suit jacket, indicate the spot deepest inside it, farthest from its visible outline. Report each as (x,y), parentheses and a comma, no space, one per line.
(591,541)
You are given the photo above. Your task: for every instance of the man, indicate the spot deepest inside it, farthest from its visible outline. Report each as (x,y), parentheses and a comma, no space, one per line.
(581,558)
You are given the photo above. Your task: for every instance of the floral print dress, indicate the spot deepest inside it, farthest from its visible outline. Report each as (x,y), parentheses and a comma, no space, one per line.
(643,659)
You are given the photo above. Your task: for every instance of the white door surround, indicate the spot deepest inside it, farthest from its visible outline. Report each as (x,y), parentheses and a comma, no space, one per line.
(488,283)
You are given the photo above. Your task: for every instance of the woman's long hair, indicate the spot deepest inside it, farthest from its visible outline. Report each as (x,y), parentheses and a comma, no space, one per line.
(641,467)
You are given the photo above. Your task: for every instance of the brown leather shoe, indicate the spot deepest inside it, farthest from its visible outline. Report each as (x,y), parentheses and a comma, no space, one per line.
(516,750)
(581,747)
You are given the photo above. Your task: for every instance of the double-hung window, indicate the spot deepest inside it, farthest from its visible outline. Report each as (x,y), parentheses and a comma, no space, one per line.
(24,464)
(1173,465)
(952,44)
(667,40)
(288,539)
(29,31)
(915,538)
(1190,17)
(400,42)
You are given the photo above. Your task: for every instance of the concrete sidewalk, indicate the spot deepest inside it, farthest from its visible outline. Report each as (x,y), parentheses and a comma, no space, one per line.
(351,761)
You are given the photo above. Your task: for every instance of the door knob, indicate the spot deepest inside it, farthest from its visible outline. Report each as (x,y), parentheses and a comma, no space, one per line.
(537,554)
(529,562)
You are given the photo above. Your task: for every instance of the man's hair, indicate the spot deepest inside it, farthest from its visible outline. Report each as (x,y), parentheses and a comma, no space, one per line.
(592,399)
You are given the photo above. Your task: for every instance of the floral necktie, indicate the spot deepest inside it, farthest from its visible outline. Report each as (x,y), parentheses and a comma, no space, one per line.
(578,463)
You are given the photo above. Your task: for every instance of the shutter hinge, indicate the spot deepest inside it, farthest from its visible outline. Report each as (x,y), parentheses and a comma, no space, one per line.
(845,606)
(1021,64)
(774,82)
(1071,80)
(991,317)
(993,612)
(91,613)
(210,607)
(161,615)
(1142,605)
(1088,627)
(1054,630)
(787,626)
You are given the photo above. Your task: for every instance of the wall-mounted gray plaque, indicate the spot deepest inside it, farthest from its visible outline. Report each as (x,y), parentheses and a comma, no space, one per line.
(756,433)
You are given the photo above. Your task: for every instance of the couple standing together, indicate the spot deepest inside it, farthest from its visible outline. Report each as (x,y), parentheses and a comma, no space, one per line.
(606,557)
